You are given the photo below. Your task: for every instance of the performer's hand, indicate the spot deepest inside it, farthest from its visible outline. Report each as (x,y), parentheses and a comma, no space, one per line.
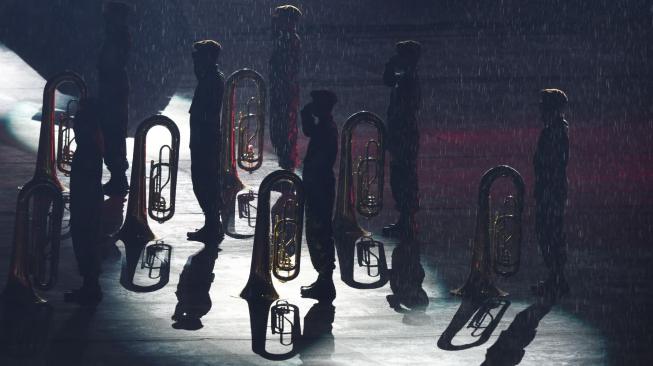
(307,111)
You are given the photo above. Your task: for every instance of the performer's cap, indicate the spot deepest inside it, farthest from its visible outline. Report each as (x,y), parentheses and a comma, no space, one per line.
(411,49)
(208,47)
(553,98)
(288,13)
(324,98)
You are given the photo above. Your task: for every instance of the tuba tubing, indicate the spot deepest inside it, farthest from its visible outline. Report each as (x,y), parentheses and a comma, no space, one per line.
(480,282)
(135,225)
(259,286)
(231,183)
(345,225)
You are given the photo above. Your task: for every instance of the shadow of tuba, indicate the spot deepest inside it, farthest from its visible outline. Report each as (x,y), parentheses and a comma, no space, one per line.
(497,242)
(283,320)
(278,251)
(482,317)
(135,232)
(249,154)
(364,196)
(39,210)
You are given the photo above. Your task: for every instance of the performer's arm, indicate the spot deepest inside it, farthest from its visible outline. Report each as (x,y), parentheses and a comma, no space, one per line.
(308,120)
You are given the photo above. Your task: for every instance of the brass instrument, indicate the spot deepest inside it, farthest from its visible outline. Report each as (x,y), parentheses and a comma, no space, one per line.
(349,237)
(66,138)
(285,253)
(250,147)
(46,159)
(159,208)
(259,286)
(39,210)
(250,139)
(135,232)
(497,242)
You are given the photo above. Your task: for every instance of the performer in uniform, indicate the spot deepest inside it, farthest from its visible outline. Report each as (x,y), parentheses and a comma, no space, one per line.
(205,138)
(402,133)
(284,84)
(550,165)
(86,200)
(319,183)
(113,93)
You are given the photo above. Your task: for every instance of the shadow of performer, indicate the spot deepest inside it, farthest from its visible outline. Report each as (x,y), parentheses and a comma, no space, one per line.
(193,298)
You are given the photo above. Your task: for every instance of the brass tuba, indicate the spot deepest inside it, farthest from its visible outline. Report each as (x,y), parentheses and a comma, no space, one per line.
(366,199)
(249,155)
(286,238)
(39,209)
(135,232)
(497,241)
(66,138)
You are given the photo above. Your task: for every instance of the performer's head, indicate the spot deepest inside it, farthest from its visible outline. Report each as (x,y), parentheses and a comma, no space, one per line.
(205,56)
(408,53)
(323,102)
(552,104)
(285,18)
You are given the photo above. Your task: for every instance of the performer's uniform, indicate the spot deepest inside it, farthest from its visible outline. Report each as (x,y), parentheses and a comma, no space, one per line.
(86,197)
(113,95)
(550,163)
(403,138)
(319,183)
(205,142)
(284,97)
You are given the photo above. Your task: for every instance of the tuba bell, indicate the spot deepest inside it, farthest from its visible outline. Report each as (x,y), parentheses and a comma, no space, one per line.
(39,209)
(249,155)
(135,232)
(364,196)
(497,241)
(271,250)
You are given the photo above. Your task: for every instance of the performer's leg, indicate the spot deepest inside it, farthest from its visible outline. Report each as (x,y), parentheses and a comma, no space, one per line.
(114,130)
(85,232)
(319,238)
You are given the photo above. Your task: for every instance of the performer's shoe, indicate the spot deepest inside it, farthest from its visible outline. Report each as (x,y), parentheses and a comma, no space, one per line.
(322,289)
(85,296)
(207,234)
(116,187)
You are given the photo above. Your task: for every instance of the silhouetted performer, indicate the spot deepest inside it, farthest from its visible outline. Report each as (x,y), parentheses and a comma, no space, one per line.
(403,135)
(205,138)
(113,89)
(284,84)
(86,200)
(193,299)
(550,164)
(319,183)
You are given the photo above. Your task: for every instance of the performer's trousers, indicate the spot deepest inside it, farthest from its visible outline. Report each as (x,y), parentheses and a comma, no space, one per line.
(85,226)
(550,234)
(284,104)
(320,196)
(403,175)
(205,176)
(113,121)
